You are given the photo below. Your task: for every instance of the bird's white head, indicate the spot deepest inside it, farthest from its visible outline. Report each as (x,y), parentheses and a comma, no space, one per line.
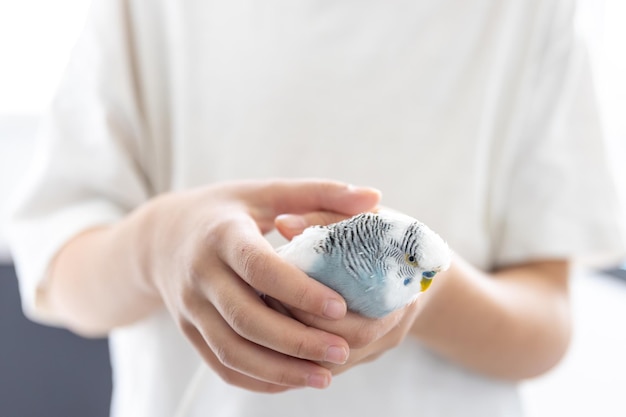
(415,255)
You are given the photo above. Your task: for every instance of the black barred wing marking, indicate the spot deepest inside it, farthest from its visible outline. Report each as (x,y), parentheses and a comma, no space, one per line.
(356,243)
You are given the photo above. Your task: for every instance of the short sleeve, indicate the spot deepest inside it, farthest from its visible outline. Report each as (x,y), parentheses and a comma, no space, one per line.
(559,198)
(88,168)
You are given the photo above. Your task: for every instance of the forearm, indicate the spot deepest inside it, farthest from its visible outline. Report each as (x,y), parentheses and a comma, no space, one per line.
(98,279)
(512,324)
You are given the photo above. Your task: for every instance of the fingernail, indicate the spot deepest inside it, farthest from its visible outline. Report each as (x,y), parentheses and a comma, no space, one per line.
(335,310)
(292,221)
(337,355)
(318,381)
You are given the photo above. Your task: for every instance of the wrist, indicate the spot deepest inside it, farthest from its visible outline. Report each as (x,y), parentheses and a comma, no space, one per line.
(144,230)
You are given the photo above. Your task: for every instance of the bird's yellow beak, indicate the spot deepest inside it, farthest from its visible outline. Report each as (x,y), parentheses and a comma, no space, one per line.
(425,283)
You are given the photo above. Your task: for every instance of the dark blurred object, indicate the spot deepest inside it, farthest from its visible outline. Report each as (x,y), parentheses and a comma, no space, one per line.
(45,371)
(619,272)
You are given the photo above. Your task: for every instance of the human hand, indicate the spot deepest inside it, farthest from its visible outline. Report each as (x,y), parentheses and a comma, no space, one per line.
(208,260)
(368,338)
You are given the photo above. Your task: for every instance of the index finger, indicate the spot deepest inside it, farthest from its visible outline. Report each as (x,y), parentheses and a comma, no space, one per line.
(251,257)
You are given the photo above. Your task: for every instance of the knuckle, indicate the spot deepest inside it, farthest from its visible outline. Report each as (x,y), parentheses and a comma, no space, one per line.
(285,378)
(191,306)
(224,356)
(216,232)
(238,318)
(253,264)
(194,267)
(300,350)
(194,271)
(188,299)
(186,327)
(301,296)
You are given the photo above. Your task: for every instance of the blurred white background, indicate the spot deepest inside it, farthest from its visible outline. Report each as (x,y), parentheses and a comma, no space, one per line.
(36,38)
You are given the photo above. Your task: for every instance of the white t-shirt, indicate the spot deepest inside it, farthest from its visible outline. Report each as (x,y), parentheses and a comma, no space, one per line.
(477,117)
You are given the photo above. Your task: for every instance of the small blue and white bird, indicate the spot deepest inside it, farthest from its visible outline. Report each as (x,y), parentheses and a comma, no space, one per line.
(379,262)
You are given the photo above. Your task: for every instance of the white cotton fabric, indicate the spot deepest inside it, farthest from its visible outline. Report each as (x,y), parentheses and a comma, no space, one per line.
(476,117)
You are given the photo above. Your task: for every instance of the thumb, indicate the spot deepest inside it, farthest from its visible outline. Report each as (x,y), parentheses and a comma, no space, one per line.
(312,195)
(303,196)
(291,225)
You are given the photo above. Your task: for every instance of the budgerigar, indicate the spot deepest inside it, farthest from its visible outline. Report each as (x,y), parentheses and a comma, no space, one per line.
(379,262)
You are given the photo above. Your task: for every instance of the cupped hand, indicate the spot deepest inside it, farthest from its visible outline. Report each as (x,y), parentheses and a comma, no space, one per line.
(367,338)
(207,257)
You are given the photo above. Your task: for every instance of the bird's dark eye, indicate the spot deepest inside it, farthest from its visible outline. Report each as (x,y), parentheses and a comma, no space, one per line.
(410,259)
(429,274)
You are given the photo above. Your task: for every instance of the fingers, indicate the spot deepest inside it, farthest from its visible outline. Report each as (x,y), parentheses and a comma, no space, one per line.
(243,363)
(228,375)
(368,338)
(253,259)
(246,342)
(252,368)
(377,347)
(291,225)
(249,317)
(357,330)
(303,196)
